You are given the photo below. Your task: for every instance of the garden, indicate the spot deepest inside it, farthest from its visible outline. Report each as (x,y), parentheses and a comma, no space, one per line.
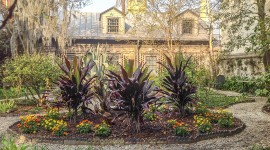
(88,104)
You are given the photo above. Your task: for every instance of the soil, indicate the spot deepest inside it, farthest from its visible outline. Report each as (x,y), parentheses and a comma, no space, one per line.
(154,130)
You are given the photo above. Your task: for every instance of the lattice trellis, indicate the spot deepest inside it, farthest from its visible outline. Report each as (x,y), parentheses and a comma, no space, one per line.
(141,59)
(161,58)
(124,58)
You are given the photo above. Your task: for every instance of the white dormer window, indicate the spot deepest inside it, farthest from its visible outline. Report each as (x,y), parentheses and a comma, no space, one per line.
(187,26)
(113,25)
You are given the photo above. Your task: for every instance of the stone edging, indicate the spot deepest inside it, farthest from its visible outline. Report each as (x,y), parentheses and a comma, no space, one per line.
(268,113)
(127,141)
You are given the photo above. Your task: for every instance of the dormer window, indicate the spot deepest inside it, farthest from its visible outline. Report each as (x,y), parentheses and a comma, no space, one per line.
(113,25)
(187,26)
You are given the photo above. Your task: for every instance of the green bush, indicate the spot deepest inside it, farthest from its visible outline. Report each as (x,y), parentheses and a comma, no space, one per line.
(181,130)
(258,86)
(53,114)
(102,129)
(84,126)
(34,72)
(226,119)
(7,106)
(203,124)
(13,92)
(233,84)
(201,109)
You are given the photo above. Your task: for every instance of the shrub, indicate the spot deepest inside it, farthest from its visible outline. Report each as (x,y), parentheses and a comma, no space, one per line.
(75,85)
(181,129)
(131,93)
(150,114)
(53,114)
(31,71)
(49,123)
(201,109)
(213,117)
(7,106)
(29,124)
(163,108)
(12,92)
(226,119)
(60,128)
(203,124)
(171,122)
(85,126)
(102,129)
(57,127)
(176,85)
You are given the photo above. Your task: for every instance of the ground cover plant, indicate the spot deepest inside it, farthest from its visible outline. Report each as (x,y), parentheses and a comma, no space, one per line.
(7,106)
(212,99)
(12,92)
(258,86)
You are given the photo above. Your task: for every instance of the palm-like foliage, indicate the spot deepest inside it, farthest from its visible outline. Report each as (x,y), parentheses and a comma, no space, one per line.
(131,93)
(176,85)
(75,86)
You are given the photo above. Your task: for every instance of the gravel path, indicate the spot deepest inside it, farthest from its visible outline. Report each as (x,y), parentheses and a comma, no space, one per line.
(256,132)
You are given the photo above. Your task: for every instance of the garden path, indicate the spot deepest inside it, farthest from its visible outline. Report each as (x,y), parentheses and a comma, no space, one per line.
(256,132)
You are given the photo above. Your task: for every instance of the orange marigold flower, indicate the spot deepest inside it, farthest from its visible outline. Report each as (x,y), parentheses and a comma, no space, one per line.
(19,125)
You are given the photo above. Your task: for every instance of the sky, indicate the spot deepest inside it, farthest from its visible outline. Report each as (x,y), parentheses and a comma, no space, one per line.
(99,5)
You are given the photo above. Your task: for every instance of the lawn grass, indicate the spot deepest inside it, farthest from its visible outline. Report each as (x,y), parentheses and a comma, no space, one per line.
(214,100)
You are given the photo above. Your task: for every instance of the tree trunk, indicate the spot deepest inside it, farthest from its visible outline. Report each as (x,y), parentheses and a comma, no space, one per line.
(263,33)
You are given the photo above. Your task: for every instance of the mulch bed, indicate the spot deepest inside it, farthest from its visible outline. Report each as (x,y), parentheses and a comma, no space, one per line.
(153,131)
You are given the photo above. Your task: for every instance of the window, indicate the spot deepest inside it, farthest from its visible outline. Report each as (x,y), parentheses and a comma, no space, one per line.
(187,27)
(151,62)
(113,25)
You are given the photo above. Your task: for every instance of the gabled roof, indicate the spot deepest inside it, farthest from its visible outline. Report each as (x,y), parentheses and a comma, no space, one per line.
(189,10)
(110,10)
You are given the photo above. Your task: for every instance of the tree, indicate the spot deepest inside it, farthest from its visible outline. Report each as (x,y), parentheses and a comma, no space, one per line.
(41,22)
(247,24)
(8,15)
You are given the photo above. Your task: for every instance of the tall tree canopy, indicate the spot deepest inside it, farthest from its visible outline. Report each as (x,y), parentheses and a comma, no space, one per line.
(247,24)
(42,21)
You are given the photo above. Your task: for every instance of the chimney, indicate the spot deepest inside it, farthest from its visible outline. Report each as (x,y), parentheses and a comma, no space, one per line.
(204,5)
(137,6)
(6,3)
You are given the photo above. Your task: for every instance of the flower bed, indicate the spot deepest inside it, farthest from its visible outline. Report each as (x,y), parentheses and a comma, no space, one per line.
(132,110)
(170,129)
